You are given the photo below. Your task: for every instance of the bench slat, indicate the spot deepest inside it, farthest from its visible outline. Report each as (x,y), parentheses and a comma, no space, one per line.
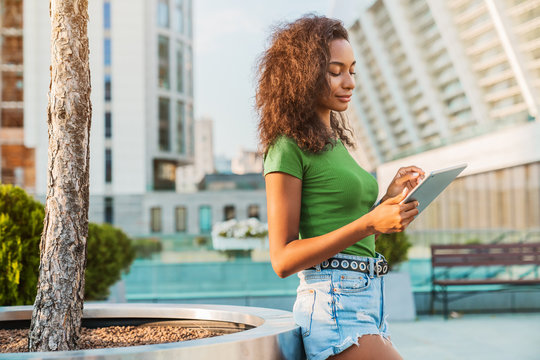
(485,254)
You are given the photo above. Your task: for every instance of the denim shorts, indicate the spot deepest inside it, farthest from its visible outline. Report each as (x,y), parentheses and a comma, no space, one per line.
(335,307)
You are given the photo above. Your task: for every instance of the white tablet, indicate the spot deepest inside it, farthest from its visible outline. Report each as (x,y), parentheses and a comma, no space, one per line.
(432,185)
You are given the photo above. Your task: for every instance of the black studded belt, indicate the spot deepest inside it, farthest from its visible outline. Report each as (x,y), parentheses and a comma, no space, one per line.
(380,267)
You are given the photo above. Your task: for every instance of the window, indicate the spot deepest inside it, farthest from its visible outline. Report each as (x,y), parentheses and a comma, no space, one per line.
(108,165)
(107,51)
(179,67)
(164,174)
(163,62)
(12,49)
(108,125)
(164,131)
(191,133)
(189,17)
(107,87)
(180,119)
(189,70)
(163,13)
(253,211)
(179,16)
(229,212)
(180,215)
(12,117)
(155,219)
(109,210)
(107,15)
(12,86)
(205,219)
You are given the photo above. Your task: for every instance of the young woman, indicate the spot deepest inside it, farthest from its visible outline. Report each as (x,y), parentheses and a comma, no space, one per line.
(321,214)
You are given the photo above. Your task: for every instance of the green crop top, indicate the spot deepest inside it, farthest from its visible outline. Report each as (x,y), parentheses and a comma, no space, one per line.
(335,189)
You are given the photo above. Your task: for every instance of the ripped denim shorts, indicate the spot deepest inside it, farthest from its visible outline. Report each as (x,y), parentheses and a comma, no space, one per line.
(335,307)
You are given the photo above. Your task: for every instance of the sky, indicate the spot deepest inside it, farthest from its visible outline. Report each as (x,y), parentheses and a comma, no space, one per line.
(229,36)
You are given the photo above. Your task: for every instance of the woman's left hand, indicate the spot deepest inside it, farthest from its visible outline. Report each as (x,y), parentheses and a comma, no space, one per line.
(406,177)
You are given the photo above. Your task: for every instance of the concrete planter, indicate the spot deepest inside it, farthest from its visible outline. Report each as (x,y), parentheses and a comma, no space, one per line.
(399,299)
(267,333)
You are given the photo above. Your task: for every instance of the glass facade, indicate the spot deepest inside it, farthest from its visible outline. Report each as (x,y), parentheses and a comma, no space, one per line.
(189,70)
(174,82)
(190,130)
(108,87)
(179,67)
(163,62)
(107,15)
(107,51)
(163,13)
(189,18)
(179,16)
(180,121)
(108,125)
(108,211)
(164,127)
(164,174)
(108,165)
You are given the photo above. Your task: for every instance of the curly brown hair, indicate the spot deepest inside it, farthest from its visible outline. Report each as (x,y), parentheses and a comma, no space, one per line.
(292,75)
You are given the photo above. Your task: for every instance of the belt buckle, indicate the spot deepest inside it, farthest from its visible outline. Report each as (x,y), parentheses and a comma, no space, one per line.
(379,268)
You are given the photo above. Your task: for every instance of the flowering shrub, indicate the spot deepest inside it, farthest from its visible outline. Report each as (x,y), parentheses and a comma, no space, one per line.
(233,228)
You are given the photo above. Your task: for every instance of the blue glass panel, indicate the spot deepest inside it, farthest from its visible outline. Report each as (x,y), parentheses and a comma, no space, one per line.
(107,51)
(107,15)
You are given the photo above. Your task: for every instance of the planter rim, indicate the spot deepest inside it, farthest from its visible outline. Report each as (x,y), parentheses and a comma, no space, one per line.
(272,327)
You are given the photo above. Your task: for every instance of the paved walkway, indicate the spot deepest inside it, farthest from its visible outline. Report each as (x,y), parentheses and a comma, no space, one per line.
(472,336)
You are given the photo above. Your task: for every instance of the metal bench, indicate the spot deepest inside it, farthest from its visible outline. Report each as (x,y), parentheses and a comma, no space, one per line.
(444,258)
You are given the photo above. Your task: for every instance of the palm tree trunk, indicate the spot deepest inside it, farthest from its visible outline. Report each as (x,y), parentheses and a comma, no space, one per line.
(56,319)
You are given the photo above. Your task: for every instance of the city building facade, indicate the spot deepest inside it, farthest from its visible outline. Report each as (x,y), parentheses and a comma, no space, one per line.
(246,162)
(445,82)
(141,62)
(17,161)
(187,177)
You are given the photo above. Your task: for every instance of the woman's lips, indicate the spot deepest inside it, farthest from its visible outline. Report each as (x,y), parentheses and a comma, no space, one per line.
(344,98)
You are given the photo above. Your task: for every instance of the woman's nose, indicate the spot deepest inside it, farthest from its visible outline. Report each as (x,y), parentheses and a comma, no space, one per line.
(349,82)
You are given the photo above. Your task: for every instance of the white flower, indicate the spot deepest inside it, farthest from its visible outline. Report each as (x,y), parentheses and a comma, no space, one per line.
(251,227)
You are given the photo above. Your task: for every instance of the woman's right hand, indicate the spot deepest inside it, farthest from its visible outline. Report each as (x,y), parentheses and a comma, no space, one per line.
(391,216)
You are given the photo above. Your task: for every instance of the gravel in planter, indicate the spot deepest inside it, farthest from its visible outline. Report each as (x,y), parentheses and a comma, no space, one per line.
(16,340)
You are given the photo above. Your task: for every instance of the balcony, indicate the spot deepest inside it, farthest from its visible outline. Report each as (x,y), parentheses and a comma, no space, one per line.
(471,14)
(502,94)
(483,65)
(477,30)
(495,78)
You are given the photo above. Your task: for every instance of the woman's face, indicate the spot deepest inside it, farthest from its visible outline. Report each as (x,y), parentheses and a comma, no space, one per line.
(340,77)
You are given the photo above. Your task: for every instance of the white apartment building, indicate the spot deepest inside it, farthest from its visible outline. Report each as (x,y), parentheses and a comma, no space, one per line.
(246,161)
(187,177)
(141,62)
(445,82)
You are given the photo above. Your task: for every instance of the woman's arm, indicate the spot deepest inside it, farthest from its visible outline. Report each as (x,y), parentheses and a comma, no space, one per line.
(290,254)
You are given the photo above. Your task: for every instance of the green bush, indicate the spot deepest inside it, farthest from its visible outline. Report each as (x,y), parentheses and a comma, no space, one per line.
(109,252)
(394,247)
(146,247)
(21,224)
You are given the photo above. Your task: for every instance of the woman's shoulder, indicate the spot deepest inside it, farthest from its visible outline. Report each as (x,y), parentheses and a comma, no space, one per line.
(283,146)
(284,142)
